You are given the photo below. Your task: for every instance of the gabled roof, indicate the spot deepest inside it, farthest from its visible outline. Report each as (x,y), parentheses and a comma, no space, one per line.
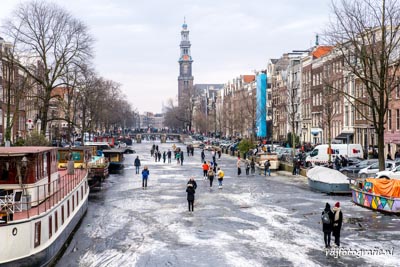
(321,51)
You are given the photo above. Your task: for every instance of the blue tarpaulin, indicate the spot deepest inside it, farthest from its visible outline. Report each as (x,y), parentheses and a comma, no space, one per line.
(262,105)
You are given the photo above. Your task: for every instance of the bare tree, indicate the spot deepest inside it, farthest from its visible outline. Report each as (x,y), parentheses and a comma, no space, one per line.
(45,33)
(367,36)
(171,116)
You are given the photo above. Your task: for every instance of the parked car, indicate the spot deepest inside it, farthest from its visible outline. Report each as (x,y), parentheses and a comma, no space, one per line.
(371,170)
(394,173)
(353,170)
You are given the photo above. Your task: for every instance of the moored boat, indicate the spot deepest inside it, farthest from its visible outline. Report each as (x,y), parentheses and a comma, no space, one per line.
(328,180)
(98,170)
(115,157)
(261,158)
(40,206)
(377,194)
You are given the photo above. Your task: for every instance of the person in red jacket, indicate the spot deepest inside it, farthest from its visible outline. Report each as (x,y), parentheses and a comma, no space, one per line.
(205,167)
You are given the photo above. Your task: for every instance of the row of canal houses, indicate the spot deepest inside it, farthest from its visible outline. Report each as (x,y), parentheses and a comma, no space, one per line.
(296,99)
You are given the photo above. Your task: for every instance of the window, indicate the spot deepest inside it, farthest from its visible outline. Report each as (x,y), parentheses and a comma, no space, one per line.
(81,192)
(68,208)
(397,90)
(62,214)
(55,221)
(77,198)
(397,119)
(50,226)
(38,231)
(73,203)
(389,119)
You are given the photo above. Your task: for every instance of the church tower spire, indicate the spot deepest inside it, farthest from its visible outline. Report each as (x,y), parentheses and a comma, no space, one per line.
(185,79)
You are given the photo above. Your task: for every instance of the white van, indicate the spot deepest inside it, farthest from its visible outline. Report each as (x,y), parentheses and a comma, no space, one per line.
(320,154)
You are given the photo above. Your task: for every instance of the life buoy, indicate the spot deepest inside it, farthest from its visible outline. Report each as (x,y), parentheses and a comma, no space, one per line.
(14,231)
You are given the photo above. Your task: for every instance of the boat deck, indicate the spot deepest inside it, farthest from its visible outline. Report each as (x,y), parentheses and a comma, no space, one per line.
(63,186)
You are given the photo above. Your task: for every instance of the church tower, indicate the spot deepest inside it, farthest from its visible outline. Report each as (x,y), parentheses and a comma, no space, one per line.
(185,79)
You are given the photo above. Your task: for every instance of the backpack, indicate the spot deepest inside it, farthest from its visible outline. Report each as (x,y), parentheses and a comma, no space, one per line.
(325,218)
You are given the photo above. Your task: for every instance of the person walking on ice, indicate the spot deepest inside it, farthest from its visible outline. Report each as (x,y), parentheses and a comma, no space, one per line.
(220,175)
(137,164)
(238,164)
(191,190)
(267,168)
(145,176)
(327,219)
(337,223)
(211,176)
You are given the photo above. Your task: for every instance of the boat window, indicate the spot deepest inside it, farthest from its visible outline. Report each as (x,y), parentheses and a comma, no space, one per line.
(62,214)
(50,226)
(38,231)
(55,221)
(45,165)
(314,153)
(68,208)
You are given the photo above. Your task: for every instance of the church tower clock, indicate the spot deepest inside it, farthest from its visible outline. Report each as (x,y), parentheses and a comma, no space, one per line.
(185,79)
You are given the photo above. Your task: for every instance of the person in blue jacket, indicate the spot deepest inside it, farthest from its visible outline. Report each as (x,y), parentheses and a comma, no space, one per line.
(145,176)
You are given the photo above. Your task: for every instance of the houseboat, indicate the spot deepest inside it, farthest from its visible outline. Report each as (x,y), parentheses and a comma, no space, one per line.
(98,170)
(377,194)
(40,205)
(115,157)
(328,180)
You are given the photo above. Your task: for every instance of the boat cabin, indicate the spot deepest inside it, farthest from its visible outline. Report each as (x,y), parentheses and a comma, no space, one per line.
(29,170)
(80,156)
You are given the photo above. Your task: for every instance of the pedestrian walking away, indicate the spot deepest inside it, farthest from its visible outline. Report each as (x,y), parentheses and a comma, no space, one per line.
(247,167)
(267,168)
(211,176)
(327,223)
(239,169)
(164,156)
(191,190)
(337,223)
(182,157)
(145,176)
(220,175)
(169,153)
(205,167)
(137,164)
(253,166)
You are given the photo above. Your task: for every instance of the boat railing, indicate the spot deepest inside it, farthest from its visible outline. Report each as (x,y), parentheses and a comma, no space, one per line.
(38,199)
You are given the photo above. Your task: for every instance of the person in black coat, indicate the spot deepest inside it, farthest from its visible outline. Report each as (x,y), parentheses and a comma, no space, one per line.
(137,164)
(327,227)
(191,190)
(337,223)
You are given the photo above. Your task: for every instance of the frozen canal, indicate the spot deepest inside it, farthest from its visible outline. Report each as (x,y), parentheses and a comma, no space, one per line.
(253,221)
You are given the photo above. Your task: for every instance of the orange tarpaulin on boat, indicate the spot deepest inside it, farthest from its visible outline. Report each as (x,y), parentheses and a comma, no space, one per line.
(384,187)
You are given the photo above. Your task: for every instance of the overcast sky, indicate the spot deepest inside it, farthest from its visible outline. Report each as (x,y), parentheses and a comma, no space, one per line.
(137,41)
